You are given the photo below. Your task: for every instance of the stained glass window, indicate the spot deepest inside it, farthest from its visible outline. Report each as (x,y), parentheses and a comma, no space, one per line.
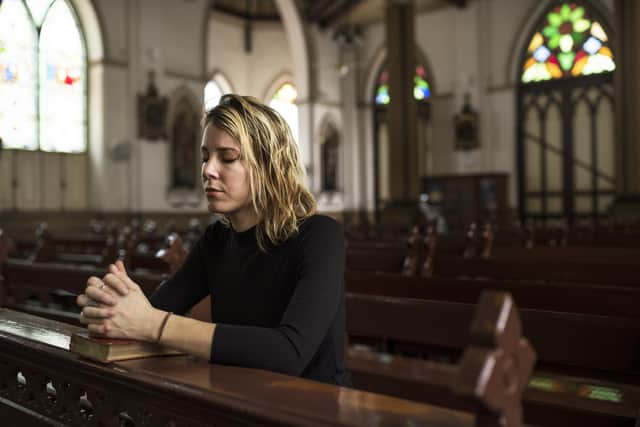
(62,85)
(569,44)
(284,102)
(421,88)
(42,77)
(18,38)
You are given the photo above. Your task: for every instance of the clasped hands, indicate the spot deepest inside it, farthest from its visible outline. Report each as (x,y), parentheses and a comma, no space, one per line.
(116,307)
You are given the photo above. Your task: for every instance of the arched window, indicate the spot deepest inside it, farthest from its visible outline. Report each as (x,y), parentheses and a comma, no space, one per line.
(566,143)
(383,143)
(43,75)
(284,102)
(212,95)
(421,88)
(568,44)
(214,89)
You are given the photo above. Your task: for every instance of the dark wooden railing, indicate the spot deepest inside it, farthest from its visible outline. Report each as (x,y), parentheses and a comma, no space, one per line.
(42,383)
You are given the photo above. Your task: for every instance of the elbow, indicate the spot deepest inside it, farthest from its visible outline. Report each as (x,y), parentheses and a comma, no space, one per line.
(293,360)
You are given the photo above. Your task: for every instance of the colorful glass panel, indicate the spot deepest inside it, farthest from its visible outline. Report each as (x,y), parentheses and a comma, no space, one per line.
(421,88)
(212,95)
(18,38)
(284,102)
(570,43)
(62,82)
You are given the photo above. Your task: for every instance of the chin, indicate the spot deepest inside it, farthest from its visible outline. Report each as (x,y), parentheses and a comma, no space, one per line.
(219,207)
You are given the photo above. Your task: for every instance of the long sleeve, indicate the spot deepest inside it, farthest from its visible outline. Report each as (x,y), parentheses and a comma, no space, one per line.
(186,287)
(310,316)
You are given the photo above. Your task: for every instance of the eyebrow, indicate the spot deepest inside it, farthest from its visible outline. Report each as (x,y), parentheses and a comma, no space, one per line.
(203,148)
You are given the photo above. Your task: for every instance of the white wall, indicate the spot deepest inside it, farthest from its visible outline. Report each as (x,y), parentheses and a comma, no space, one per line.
(250,73)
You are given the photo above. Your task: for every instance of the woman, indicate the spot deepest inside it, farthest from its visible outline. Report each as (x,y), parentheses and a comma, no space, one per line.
(274,268)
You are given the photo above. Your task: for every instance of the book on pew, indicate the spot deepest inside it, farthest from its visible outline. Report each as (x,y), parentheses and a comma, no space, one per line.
(111,349)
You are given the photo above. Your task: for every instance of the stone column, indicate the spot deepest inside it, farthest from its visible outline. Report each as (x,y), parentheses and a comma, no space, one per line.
(353,160)
(402,116)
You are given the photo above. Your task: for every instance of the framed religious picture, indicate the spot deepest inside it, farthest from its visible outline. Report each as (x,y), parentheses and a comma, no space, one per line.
(152,113)
(466,127)
(184,146)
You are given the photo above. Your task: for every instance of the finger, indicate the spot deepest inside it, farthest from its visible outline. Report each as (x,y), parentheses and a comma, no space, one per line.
(99,329)
(117,283)
(97,312)
(120,266)
(82,300)
(113,269)
(94,281)
(86,320)
(100,296)
(131,285)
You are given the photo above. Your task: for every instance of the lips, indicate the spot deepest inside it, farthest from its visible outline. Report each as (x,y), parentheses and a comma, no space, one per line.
(212,192)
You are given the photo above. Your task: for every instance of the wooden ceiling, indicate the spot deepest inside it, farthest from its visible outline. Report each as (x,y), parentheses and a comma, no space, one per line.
(324,13)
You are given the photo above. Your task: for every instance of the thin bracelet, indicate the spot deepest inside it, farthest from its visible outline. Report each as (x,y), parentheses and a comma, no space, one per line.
(162,325)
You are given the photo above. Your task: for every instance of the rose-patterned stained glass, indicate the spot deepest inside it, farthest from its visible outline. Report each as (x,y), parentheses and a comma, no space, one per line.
(62,82)
(284,102)
(421,88)
(18,115)
(569,44)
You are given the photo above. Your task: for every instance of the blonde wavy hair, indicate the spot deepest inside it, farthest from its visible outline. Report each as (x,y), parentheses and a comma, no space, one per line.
(279,195)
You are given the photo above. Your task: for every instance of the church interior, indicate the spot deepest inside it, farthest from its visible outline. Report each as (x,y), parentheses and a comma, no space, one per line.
(482,156)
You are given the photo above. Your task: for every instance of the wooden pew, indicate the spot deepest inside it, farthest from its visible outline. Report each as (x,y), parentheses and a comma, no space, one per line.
(89,249)
(601,300)
(411,326)
(50,289)
(557,270)
(570,253)
(567,343)
(549,401)
(42,383)
(391,384)
(624,271)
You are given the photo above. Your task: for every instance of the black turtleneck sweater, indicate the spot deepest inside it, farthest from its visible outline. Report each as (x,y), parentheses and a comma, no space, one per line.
(283,310)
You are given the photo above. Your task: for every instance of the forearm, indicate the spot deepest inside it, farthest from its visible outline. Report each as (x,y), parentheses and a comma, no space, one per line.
(185,334)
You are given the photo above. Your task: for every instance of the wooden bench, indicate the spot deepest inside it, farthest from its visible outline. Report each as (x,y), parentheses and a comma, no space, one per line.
(50,289)
(42,383)
(556,270)
(89,249)
(399,327)
(601,300)
(568,343)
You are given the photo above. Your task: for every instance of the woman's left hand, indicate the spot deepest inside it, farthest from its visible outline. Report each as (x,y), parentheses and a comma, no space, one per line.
(132,317)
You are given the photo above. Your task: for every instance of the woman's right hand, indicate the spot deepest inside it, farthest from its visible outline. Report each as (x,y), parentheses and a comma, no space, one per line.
(98,299)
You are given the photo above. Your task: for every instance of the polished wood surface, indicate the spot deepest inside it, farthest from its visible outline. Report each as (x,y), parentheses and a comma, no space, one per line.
(177,389)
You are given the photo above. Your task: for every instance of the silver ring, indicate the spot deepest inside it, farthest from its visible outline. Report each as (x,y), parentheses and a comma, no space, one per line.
(92,303)
(101,286)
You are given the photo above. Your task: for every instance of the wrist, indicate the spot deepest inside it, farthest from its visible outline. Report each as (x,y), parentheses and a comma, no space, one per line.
(154,325)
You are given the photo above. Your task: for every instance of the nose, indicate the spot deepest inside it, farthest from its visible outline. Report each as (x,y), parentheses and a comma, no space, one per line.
(210,168)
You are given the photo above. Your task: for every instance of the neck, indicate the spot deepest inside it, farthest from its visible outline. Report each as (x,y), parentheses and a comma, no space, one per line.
(242,223)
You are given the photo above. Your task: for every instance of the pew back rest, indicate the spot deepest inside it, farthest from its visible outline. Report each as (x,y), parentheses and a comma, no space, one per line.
(613,273)
(564,340)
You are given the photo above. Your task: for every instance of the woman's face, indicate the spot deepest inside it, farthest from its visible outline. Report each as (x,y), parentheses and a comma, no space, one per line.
(225,178)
